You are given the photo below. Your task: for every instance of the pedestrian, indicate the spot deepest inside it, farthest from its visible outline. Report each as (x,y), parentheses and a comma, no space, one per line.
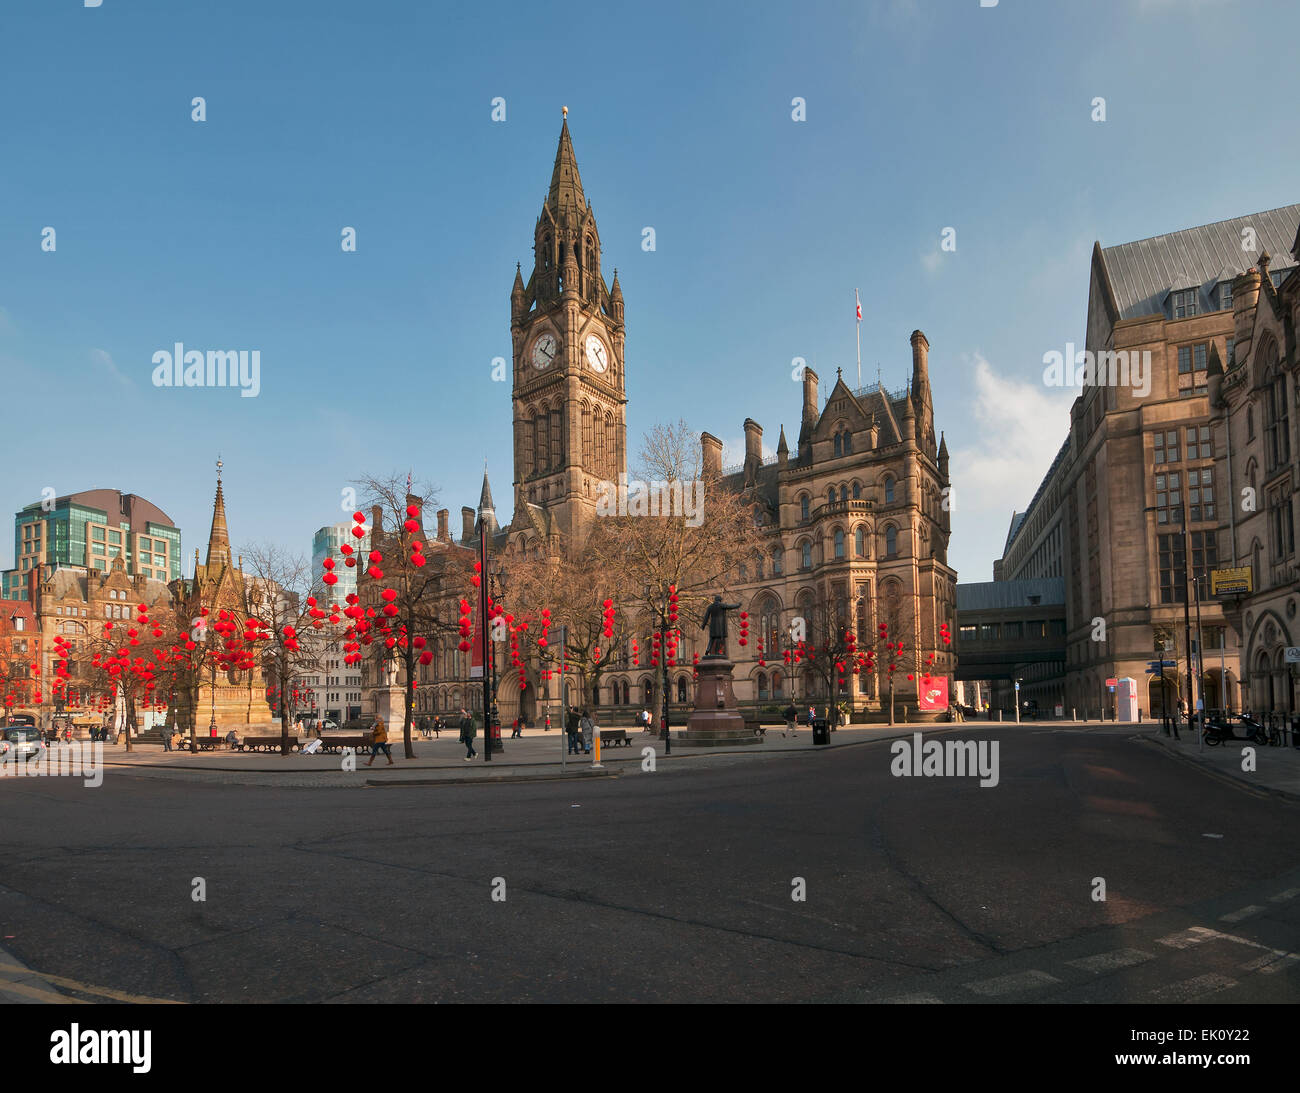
(548,723)
(791,716)
(571,731)
(424,726)
(588,728)
(514,729)
(379,742)
(167,740)
(467,733)
(438,725)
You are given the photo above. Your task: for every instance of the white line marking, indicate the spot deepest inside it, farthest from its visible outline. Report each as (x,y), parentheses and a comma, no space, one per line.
(1245,912)
(1192,988)
(1009,984)
(1109,962)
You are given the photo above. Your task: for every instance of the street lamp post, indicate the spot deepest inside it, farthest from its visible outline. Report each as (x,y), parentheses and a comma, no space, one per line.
(663,665)
(1187,619)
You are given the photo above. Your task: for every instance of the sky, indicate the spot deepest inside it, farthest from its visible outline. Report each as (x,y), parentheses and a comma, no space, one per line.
(326,114)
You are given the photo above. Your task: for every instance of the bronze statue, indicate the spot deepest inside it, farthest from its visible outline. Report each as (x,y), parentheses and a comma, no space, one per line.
(715,619)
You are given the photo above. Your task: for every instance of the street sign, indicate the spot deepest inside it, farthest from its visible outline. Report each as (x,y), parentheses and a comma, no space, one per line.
(1293,654)
(1160,665)
(1111,682)
(1225,582)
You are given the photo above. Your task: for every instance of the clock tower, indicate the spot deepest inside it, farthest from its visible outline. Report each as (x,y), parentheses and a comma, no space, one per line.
(570,417)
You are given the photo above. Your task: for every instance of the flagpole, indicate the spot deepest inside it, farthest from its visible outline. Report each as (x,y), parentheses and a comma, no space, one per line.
(858,326)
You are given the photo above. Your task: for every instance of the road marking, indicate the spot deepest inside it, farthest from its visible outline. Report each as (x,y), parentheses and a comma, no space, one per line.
(1109,962)
(1185,939)
(1192,988)
(1245,912)
(914,1000)
(86,988)
(1009,984)
(1282,897)
(1270,963)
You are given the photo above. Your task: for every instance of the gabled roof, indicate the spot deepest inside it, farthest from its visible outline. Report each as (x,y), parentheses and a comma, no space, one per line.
(1143,272)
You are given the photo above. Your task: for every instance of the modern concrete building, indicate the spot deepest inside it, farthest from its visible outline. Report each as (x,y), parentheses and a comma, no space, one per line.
(90,529)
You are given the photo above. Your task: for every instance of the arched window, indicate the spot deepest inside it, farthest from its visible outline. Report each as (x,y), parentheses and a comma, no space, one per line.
(839,543)
(762,685)
(848,443)
(776,561)
(776,684)
(803,507)
(1250,423)
(830,495)
(891,542)
(857,491)
(648,692)
(805,558)
(889,490)
(837,444)
(681,688)
(860,542)
(844,493)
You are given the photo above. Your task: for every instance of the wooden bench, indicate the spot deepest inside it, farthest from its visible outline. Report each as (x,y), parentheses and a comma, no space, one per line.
(203,743)
(266,743)
(338,742)
(610,737)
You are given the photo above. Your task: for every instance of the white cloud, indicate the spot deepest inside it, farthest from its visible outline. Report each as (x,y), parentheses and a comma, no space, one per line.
(105,361)
(1021,427)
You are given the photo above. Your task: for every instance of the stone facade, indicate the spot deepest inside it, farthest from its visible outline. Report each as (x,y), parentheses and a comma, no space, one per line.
(1136,461)
(856,518)
(1256,410)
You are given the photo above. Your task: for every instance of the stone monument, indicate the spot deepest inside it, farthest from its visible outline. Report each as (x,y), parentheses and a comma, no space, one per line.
(716,721)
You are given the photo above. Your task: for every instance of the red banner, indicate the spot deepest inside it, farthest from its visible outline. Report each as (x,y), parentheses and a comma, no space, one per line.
(933,695)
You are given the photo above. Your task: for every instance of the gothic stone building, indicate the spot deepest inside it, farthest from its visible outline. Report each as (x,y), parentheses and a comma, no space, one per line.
(856,518)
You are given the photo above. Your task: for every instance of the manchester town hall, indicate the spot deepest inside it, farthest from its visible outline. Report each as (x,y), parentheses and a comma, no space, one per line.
(855,516)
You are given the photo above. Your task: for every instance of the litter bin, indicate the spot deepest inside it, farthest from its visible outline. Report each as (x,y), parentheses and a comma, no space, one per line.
(1295,731)
(821,731)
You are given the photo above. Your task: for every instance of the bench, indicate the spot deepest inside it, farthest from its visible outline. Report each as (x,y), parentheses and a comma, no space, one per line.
(203,743)
(265,743)
(338,742)
(609,737)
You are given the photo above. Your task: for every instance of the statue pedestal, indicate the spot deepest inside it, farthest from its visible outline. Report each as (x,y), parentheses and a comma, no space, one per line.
(390,704)
(715,721)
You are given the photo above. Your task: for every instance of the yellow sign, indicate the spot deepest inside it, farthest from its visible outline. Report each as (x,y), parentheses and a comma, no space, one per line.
(1230,582)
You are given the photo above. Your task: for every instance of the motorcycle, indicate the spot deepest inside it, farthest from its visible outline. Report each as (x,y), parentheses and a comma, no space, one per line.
(1218,729)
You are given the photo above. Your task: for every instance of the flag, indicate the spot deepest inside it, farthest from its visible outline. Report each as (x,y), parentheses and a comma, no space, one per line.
(859,300)
(408,473)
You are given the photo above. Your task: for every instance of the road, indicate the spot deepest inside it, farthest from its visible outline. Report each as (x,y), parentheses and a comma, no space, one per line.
(669,886)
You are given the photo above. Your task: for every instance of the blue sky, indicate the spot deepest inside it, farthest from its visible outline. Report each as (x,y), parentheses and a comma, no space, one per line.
(921,115)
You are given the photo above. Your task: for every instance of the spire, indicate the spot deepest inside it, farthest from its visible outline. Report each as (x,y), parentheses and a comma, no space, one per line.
(566,184)
(485,498)
(219,537)
(943,446)
(782,448)
(518,287)
(616,290)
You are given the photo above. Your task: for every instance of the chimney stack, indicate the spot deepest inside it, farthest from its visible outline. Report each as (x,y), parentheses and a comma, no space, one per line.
(920,364)
(711,455)
(466,523)
(443,516)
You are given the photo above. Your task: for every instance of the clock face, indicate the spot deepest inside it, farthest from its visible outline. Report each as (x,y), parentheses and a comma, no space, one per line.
(597,354)
(544,350)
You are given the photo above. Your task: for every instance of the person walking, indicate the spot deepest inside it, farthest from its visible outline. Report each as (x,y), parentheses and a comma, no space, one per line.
(571,731)
(379,742)
(467,733)
(514,729)
(167,739)
(548,723)
(424,726)
(791,716)
(588,728)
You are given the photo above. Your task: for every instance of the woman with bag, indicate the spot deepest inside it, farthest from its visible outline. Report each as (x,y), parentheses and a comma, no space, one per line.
(379,740)
(467,733)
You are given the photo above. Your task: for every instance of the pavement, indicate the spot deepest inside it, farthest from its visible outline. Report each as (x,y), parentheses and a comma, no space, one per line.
(537,755)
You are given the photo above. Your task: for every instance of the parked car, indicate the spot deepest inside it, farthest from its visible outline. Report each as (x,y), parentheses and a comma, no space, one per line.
(24,741)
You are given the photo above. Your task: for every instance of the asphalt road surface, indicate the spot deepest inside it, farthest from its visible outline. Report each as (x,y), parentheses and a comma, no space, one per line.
(671,886)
